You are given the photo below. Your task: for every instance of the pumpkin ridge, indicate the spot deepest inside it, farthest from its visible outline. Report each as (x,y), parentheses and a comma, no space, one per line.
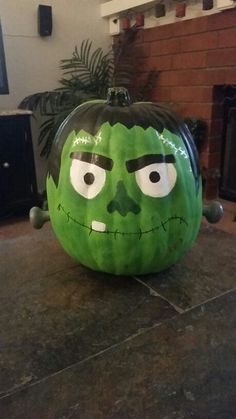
(116,232)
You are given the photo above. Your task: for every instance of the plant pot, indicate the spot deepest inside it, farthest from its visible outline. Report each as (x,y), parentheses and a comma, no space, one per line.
(139,20)
(180,9)
(160,10)
(207,4)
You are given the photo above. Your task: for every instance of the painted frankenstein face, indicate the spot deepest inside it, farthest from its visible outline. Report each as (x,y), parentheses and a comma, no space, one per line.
(123,200)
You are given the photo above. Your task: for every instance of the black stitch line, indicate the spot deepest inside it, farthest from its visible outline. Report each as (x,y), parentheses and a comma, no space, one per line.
(140,233)
(163,225)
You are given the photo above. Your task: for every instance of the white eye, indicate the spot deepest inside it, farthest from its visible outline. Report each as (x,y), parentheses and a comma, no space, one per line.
(86,178)
(157,179)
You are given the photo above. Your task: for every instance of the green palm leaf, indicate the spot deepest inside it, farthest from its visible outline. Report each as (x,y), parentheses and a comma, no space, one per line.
(92,68)
(87,74)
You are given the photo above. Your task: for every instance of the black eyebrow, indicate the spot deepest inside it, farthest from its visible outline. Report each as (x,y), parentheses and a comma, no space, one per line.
(101,161)
(140,162)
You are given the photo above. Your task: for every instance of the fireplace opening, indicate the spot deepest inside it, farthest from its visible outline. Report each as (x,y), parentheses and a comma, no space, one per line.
(227,185)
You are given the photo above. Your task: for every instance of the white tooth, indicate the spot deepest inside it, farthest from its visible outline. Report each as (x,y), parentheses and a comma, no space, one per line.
(97,226)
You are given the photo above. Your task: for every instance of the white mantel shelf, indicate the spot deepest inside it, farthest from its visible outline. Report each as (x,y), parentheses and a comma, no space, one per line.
(113,10)
(113,7)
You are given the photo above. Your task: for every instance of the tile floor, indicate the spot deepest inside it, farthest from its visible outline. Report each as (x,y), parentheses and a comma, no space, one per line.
(76,344)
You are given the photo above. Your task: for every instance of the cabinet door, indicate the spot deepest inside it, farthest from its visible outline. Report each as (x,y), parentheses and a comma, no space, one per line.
(17,176)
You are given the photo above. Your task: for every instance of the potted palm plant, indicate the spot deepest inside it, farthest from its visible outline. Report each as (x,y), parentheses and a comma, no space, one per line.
(86,75)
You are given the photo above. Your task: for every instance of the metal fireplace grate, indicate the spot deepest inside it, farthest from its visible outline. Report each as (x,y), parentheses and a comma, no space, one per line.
(228,169)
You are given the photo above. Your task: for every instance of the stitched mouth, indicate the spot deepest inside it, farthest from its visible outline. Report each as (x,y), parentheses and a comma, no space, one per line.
(116,233)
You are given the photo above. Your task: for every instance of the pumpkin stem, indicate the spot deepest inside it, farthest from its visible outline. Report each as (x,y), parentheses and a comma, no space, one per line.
(118,96)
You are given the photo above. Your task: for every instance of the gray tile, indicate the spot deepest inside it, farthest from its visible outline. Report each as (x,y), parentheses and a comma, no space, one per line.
(184,368)
(55,320)
(27,254)
(12,227)
(206,271)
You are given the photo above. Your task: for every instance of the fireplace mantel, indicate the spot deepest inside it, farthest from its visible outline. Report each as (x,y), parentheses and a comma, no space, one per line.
(113,7)
(115,10)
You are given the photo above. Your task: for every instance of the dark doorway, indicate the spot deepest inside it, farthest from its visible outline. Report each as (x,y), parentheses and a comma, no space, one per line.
(228,167)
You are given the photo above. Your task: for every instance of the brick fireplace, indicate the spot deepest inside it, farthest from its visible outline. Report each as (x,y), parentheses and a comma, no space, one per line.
(196,60)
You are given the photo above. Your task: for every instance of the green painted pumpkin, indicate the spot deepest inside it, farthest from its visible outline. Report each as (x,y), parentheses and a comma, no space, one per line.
(124,190)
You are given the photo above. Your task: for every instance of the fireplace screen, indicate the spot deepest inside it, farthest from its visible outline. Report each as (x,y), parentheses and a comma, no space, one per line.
(228,172)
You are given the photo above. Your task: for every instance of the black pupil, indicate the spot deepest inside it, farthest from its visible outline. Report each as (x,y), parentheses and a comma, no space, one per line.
(89,178)
(154,177)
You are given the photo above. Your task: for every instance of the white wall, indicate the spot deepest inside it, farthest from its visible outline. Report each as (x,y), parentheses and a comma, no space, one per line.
(33,61)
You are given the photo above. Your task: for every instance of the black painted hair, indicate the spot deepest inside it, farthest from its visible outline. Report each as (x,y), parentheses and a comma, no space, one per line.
(91,115)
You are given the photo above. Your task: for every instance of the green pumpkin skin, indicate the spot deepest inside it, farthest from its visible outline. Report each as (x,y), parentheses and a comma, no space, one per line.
(129,224)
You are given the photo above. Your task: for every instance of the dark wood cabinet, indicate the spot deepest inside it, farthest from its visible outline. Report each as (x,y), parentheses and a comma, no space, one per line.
(18,188)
